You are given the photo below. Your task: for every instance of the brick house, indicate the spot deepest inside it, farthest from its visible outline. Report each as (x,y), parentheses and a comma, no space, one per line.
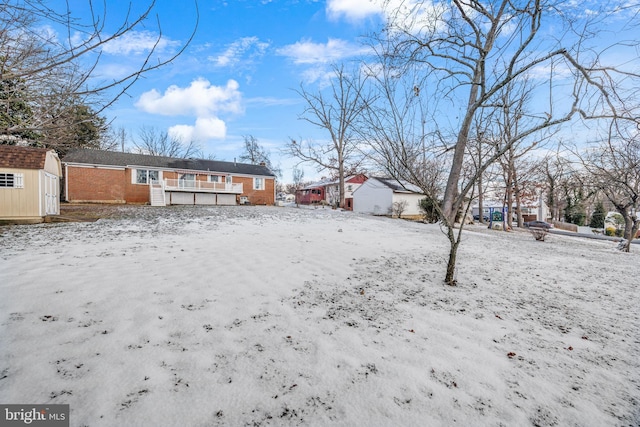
(29,183)
(98,176)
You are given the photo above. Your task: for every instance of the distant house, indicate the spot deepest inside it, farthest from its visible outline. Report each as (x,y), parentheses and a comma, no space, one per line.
(97,176)
(311,194)
(328,192)
(533,209)
(29,183)
(377,196)
(351,184)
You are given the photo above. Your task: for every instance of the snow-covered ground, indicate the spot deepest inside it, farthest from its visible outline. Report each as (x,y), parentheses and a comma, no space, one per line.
(200,316)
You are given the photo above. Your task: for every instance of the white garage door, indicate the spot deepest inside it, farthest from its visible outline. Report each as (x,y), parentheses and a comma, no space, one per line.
(226,199)
(205,199)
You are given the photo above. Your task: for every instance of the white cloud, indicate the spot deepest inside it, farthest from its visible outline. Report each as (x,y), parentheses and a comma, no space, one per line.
(250,46)
(353,9)
(204,129)
(307,52)
(321,76)
(200,98)
(138,42)
(416,16)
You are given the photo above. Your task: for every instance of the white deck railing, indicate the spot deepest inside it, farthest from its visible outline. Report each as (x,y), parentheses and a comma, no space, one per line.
(201,186)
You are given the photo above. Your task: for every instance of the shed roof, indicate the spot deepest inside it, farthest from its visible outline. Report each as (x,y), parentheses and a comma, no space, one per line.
(116,158)
(17,157)
(327,182)
(400,186)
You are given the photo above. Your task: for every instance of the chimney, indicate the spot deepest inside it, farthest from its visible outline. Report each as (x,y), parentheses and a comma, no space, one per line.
(263,164)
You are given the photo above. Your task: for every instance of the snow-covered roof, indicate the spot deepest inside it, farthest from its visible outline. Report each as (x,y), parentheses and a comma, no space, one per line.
(399,186)
(326,182)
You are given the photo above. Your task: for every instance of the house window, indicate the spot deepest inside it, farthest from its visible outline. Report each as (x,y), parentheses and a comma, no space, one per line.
(11,180)
(214,178)
(228,179)
(258,183)
(145,176)
(349,187)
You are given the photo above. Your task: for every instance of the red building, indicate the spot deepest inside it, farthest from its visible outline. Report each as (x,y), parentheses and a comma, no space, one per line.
(311,195)
(328,192)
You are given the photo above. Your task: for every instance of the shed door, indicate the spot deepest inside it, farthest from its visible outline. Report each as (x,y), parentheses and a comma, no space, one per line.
(51,196)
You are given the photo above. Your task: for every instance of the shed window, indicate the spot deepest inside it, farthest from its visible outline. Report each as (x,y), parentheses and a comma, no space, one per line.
(11,180)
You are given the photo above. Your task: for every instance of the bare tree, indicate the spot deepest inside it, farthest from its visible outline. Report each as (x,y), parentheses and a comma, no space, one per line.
(115,139)
(158,143)
(298,179)
(56,70)
(399,207)
(479,151)
(555,170)
(255,154)
(511,116)
(614,166)
(468,51)
(336,113)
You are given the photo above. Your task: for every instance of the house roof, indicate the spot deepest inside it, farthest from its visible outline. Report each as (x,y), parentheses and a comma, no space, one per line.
(326,182)
(400,186)
(13,156)
(116,158)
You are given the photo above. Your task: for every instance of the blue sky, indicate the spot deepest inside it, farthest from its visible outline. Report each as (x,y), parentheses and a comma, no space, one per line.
(237,77)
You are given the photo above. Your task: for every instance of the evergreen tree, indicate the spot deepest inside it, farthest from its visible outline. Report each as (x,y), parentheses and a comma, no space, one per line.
(16,115)
(72,125)
(598,216)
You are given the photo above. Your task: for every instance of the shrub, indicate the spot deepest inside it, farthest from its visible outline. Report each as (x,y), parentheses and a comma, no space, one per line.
(399,208)
(428,207)
(539,233)
(597,219)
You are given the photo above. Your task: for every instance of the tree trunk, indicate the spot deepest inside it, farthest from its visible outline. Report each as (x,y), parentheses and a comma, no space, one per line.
(509,198)
(449,205)
(518,203)
(629,232)
(480,201)
(451,264)
(341,179)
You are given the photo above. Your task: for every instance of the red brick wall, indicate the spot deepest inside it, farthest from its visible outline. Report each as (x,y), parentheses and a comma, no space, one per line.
(135,193)
(114,186)
(94,185)
(257,197)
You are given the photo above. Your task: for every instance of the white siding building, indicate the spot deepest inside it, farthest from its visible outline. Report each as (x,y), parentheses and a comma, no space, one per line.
(377,196)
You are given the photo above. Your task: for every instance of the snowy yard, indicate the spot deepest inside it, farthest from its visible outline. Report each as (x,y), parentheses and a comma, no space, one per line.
(232,316)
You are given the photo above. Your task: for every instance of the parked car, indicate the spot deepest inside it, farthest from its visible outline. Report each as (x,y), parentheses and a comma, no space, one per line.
(538,224)
(484,217)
